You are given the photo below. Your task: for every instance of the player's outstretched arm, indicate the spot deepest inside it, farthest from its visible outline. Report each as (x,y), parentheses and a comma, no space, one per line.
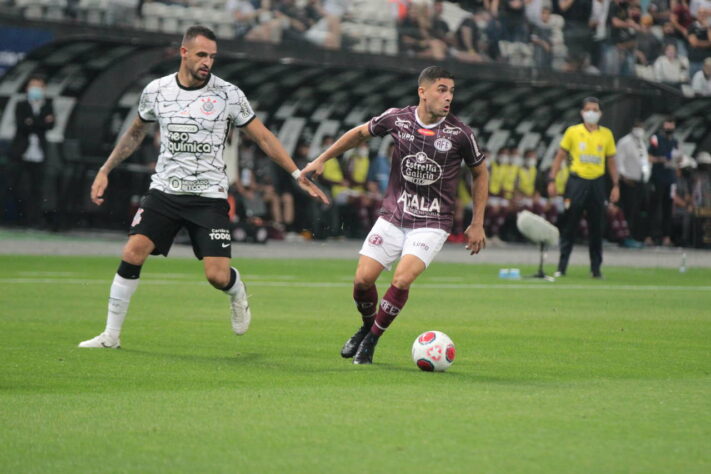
(272,147)
(351,139)
(476,238)
(125,147)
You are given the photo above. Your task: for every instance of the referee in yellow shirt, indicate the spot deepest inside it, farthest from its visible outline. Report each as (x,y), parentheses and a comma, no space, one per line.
(589,147)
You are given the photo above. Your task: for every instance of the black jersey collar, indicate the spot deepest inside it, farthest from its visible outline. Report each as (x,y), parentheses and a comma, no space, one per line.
(209,76)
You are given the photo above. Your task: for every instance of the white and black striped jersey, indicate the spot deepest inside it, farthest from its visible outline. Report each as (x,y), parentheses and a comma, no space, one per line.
(194,123)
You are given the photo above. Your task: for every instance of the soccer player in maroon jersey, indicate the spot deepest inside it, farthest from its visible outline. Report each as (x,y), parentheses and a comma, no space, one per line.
(418,208)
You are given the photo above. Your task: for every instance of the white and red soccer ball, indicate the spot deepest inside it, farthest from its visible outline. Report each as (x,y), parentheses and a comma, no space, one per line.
(433,351)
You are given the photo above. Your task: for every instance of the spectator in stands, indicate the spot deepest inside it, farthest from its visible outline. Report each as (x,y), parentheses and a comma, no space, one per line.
(415,35)
(670,68)
(512,15)
(327,31)
(577,34)
(663,153)
(467,39)
(527,195)
(379,173)
(34,117)
(296,21)
(634,170)
(285,188)
(701,82)
(619,57)
(254,23)
(683,200)
(660,10)
(647,50)
(681,19)
(497,206)
(697,5)
(542,39)
(699,36)
(702,180)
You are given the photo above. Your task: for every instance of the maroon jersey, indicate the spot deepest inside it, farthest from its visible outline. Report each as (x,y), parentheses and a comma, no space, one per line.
(425,167)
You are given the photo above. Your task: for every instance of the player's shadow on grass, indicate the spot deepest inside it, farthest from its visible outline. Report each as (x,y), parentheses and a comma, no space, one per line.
(236,358)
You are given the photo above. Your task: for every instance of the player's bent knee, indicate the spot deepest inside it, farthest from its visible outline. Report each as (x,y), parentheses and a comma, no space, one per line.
(217,277)
(362,283)
(137,250)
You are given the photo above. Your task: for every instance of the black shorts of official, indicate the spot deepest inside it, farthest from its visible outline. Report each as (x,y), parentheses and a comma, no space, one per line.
(162,215)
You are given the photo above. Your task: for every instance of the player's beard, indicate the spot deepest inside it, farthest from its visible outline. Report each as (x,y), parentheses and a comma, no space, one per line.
(196,75)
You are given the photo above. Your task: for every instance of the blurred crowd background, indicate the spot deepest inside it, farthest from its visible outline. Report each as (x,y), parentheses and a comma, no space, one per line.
(538,58)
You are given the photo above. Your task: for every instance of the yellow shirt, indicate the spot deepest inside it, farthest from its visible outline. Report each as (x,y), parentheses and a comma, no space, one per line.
(509,180)
(527,181)
(496,179)
(332,171)
(588,150)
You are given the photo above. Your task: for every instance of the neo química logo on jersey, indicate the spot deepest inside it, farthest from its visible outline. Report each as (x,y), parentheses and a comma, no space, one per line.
(179,139)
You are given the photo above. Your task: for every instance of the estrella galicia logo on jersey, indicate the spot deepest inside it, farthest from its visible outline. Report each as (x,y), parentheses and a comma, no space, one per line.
(443,145)
(420,169)
(179,135)
(426,132)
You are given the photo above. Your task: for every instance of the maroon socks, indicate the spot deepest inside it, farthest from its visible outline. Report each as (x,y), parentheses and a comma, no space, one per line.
(391,305)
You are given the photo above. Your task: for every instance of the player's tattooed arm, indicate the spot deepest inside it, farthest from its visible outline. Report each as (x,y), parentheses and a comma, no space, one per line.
(126,145)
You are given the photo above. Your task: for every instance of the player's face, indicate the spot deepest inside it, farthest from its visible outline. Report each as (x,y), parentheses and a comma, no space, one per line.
(437,96)
(198,55)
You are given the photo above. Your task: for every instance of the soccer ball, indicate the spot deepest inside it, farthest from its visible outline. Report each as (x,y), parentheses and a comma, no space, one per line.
(433,351)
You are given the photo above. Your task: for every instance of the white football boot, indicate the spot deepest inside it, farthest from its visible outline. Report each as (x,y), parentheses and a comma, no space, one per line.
(103,340)
(241,315)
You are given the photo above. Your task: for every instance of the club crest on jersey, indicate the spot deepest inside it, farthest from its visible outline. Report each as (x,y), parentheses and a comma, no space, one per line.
(443,145)
(426,132)
(375,240)
(420,169)
(208,105)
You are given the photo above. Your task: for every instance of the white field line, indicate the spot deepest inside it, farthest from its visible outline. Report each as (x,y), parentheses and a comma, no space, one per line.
(316,284)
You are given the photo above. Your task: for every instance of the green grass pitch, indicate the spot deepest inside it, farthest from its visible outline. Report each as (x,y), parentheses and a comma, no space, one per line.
(573,376)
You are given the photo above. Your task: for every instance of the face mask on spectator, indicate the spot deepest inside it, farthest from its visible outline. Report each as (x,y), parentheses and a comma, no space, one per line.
(638,132)
(531,162)
(517,160)
(591,117)
(669,131)
(35,94)
(505,159)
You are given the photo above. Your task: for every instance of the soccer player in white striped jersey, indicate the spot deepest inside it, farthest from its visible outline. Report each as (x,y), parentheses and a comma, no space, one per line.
(195,111)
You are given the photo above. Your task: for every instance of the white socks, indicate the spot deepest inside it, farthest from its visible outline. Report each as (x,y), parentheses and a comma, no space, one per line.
(121,291)
(236,287)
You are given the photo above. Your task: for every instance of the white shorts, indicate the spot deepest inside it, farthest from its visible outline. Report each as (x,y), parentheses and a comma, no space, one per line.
(387,242)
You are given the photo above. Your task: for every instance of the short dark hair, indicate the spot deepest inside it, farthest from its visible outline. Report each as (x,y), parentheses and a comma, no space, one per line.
(432,73)
(37,77)
(669,119)
(199,30)
(591,100)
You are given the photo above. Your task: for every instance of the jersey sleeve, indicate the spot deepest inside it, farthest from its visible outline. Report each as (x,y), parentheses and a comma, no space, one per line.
(382,124)
(471,152)
(239,109)
(147,102)
(566,143)
(610,145)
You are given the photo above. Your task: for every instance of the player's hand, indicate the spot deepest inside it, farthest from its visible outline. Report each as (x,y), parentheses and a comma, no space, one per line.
(476,239)
(551,189)
(315,167)
(615,194)
(314,191)
(101,181)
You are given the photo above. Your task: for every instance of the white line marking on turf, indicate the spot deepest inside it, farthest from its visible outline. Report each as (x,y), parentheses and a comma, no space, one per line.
(47,274)
(316,284)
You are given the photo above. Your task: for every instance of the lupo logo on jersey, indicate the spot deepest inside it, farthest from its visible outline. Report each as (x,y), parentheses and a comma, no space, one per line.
(179,139)
(420,169)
